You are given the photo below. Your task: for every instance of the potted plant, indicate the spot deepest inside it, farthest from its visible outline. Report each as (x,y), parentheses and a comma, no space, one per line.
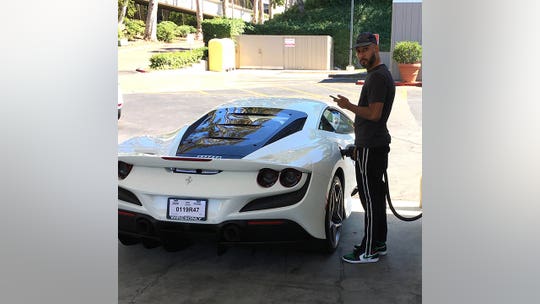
(408,55)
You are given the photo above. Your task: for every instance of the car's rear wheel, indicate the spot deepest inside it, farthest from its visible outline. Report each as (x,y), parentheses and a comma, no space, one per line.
(334,215)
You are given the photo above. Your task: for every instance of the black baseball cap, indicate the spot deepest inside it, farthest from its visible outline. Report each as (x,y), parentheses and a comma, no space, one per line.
(364,39)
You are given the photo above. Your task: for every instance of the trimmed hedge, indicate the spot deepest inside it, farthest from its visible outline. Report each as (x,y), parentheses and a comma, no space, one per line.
(177,60)
(184,30)
(133,28)
(221,28)
(166,31)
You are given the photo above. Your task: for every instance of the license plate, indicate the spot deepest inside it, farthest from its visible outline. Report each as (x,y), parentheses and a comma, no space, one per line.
(186,209)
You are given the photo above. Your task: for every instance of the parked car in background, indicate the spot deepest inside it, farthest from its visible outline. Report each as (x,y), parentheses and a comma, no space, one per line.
(253,170)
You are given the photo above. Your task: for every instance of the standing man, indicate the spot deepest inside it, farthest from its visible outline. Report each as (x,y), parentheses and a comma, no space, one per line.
(372,141)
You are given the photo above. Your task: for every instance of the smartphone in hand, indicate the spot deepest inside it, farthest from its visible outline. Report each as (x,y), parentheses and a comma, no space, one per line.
(333,97)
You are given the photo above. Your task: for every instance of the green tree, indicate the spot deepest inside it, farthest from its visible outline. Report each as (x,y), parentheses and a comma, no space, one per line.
(150,32)
(200,17)
(255,14)
(273,4)
(123,11)
(225,7)
(126,9)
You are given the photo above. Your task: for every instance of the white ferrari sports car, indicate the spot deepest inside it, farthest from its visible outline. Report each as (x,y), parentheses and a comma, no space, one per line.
(255,170)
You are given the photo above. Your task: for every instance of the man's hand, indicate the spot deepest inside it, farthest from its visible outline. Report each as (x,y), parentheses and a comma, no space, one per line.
(372,112)
(342,101)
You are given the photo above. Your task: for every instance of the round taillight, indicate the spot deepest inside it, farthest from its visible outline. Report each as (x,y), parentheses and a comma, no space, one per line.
(290,177)
(267,177)
(123,169)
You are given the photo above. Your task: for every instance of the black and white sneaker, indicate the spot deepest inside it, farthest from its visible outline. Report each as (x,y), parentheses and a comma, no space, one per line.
(379,248)
(363,258)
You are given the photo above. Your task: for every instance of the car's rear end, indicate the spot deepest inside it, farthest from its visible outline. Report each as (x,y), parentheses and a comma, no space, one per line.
(244,172)
(229,200)
(207,184)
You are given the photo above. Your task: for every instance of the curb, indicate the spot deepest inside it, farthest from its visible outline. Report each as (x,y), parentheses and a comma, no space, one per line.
(398,83)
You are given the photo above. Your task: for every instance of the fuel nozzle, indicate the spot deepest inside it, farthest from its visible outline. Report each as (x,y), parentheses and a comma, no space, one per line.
(348,151)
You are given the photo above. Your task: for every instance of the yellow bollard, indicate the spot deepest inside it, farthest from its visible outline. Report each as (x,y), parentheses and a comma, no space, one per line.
(221,55)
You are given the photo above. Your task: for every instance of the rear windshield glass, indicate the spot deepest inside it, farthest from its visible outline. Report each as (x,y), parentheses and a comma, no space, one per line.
(236,132)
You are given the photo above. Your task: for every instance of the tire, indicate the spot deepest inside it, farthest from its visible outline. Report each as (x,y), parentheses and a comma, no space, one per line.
(334,216)
(119,113)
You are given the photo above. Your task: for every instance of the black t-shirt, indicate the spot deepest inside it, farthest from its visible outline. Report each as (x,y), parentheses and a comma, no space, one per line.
(378,87)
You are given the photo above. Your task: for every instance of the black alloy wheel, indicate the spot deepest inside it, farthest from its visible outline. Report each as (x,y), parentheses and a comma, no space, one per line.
(334,215)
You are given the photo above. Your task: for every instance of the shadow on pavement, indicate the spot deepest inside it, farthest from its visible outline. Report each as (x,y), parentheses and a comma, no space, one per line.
(170,49)
(344,78)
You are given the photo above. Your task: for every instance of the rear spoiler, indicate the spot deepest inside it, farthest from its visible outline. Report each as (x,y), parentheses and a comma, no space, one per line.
(203,163)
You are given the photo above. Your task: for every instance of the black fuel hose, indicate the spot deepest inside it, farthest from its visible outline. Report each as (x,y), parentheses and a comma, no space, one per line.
(349,151)
(389,200)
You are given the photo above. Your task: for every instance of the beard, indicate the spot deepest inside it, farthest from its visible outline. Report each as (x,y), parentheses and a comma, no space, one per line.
(368,64)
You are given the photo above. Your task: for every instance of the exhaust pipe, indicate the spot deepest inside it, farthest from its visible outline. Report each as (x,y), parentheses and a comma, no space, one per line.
(144,226)
(231,233)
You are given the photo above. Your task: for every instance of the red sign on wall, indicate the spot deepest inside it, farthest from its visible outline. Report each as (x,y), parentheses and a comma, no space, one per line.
(289,42)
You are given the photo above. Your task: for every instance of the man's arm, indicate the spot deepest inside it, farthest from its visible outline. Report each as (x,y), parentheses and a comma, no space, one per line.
(372,112)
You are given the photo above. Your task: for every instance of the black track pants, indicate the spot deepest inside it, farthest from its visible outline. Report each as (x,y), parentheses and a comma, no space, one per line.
(371,163)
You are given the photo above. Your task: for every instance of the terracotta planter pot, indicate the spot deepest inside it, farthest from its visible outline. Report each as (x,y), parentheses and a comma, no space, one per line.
(409,71)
